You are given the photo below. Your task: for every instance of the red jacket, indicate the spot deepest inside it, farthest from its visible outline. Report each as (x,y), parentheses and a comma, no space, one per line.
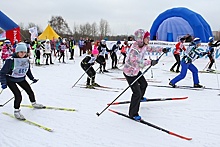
(179,47)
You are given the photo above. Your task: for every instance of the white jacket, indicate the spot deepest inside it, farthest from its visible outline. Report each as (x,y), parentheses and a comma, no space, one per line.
(47,48)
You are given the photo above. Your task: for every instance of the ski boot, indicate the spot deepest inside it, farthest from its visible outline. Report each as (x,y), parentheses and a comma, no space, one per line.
(137,118)
(18,115)
(90,87)
(198,86)
(173,85)
(38,106)
(143,99)
(95,85)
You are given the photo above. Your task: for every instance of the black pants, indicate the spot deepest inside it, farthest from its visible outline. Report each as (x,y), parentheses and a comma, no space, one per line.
(114,59)
(138,89)
(62,54)
(212,60)
(48,56)
(17,93)
(177,57)
(37,53)
(90,72)
(124,54)
(102,60)
(71,53)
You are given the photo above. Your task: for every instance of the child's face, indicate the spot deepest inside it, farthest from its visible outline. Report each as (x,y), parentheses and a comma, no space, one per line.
(146,40)
(21,54)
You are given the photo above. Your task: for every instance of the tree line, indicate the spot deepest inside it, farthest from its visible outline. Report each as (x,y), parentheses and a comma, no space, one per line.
(93,30)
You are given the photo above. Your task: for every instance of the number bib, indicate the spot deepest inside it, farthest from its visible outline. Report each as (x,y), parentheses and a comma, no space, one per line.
(21,66)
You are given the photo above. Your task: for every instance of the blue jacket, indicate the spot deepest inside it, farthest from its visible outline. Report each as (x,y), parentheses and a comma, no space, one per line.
(6,71)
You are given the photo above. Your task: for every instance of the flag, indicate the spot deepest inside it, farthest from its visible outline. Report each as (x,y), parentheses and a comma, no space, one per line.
(33,32)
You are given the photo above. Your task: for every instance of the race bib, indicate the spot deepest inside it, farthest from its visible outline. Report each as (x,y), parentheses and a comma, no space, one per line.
(21,66)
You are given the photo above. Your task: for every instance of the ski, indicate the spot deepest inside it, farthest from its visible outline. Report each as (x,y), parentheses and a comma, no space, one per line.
(100,89)
(148,80)
(150,100)
(179,87)
(152,125)
(107,87)
(212,72)
(49,107)
(29,122)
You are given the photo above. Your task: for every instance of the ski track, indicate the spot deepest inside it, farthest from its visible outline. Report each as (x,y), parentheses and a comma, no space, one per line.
(196,117)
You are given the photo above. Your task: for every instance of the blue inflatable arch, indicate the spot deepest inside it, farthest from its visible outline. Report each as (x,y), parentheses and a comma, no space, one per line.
(177,22)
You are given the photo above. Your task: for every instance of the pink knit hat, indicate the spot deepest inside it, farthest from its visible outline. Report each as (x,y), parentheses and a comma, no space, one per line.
(95,52)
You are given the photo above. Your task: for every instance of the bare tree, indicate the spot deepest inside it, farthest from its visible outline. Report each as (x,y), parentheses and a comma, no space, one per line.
(31,24)
(94,30)
(104,28)
(82,30)
(59,25)
(88,29)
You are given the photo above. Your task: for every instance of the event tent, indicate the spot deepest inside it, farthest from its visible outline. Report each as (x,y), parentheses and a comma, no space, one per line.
(48,33)
(177,22)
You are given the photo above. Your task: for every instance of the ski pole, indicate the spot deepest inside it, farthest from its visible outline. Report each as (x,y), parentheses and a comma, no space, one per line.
(1,91)
(98,114)
(206,66)
(12,98)
(81,76)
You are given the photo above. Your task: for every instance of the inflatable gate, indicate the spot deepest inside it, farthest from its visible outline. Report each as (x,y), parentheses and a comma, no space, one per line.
(11,28)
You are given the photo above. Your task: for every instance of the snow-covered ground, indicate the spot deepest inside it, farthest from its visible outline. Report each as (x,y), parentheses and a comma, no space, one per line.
(196,117)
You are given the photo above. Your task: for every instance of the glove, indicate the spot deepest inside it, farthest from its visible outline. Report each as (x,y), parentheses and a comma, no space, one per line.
(154,62)
(35,80)
(4,86)
(203,53)
(166,50)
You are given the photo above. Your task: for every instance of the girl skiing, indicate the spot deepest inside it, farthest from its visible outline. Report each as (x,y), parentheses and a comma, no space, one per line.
(13,73)
(48,51)
(134,62)
(102,50)
(191,54)
(113,54)
(179,48)
(86,65)
(211,46)
(6,50)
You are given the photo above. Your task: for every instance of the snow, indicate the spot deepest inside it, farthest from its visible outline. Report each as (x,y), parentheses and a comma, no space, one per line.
(196,117)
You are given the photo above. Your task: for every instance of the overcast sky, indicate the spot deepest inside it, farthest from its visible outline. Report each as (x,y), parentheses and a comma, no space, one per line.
(123,16)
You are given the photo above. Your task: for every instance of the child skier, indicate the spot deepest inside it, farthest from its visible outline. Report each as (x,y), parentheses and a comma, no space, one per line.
(13,73)
(191,54)
(179,48)
(102,50)
(63,46)
(113,54)
(210,54)
(134,62)
(87,64)
(48,51)
(6,50)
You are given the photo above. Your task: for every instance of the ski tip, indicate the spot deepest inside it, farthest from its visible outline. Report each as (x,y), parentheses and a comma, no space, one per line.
(112,110)
(182,98)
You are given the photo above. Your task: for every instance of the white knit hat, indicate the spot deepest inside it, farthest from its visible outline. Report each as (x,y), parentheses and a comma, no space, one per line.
(21,47)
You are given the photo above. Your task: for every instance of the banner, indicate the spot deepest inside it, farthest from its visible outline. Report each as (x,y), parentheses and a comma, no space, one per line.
(33,32)
(13,35)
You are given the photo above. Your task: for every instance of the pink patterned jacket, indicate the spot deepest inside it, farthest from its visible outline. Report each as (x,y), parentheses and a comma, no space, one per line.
(135,60)
(6,52)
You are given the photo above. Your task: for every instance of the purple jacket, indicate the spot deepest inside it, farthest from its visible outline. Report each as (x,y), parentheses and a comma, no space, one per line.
(135,60)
